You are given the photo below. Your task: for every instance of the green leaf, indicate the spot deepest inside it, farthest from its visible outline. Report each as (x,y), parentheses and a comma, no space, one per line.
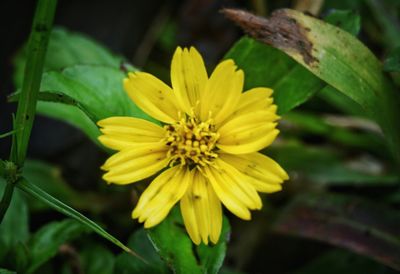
(39,194)
(96,259)
(348,20)
(342,261)
(126,264)
(5,271)
(95,89)
(386,16)
(14,228)
(45,243)
(94,86)
(362,226)
(49,178)
(341,102)
(265,66)
(71,115)
(20,255)
(177,250)
(67,49)
(392,62)
(336,57)
(357,135)
(327,166)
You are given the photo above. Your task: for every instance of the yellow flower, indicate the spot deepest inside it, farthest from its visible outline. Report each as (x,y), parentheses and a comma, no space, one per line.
(208,144)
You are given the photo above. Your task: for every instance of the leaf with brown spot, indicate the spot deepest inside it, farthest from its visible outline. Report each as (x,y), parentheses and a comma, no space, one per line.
(336,57)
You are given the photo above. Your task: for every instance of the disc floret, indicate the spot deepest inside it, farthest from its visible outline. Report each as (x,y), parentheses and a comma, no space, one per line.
(191,142)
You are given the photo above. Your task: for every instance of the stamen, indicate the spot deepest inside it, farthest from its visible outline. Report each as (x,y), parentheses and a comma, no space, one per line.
(191,142)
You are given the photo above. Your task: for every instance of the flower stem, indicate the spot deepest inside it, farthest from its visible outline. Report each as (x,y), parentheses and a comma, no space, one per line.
(37,46)
(5,201)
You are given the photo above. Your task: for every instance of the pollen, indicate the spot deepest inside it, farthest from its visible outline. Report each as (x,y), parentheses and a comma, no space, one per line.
(191,142)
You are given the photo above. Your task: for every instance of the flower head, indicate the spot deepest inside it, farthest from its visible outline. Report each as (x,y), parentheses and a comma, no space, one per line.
(207,146)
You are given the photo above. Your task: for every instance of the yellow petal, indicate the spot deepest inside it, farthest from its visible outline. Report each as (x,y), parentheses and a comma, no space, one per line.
(201,211)
(188,77)
(200,201)
(189,216)
(239,185)
(232,188)
(255,99)
(248,132)
(246,122)
(123,132)
(135,163)
(267,174)
(161,195)
(152,96)
(153,189)
(215,214)
(222,92)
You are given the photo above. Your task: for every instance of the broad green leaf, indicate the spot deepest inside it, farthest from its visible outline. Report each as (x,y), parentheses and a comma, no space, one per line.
(177,250)
(95,85)
(348,20)
(126,264)
(336,57)
(14,228)
(44,197)
(341,102)
(265,66)
(342,261)
(96,259)
(66,49)
(327,166)
(392,62)
(363,226)
(45,243)
(97,89)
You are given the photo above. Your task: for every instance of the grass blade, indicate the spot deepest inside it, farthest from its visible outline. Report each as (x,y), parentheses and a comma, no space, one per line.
(41,195)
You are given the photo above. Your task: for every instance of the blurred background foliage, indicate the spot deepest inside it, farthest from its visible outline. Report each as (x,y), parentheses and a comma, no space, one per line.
(339,213)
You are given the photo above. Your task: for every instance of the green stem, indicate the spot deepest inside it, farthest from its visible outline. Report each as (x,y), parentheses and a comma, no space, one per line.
(7,134)
(37,46)
(5,201)
(59,206)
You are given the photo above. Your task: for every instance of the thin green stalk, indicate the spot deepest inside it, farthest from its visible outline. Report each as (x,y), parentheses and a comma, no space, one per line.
(37,47)
(56,204)
(6,200)
(7,134)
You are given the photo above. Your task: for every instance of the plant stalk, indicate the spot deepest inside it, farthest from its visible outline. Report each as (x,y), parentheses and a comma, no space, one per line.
(37,46)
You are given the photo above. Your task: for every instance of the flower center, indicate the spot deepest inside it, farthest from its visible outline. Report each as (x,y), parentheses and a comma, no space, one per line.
(191,142)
